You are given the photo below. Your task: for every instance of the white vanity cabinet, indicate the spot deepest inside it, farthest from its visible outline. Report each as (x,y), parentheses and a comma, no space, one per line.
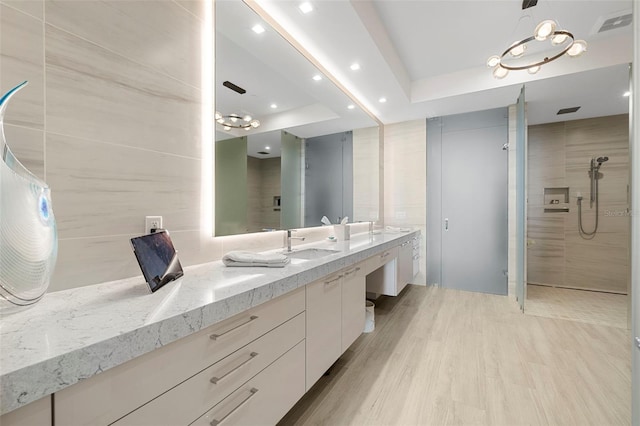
(187,401)
(37,413)
(415,242)
(109,396)
(353,305)
(324,326)
(335,318)
(405,265)
(392,270)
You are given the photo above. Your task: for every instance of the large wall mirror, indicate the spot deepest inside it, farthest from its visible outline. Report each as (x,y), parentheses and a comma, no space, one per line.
(313,154)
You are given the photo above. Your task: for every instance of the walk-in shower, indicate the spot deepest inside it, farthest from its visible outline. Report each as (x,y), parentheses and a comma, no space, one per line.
(594,175)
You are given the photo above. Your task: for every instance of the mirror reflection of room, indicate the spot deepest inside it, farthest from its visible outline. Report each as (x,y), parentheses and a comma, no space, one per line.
(285,136)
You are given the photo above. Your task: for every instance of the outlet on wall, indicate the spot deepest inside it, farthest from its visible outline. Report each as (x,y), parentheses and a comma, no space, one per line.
(152,222)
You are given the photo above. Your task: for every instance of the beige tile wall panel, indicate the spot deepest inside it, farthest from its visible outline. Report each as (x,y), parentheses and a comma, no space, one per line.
(195,7)
(366,188)
(195,247)
(86,261)
(27,145)
(598,264)
(545,254)
(120,185)
(169,43)
(405,196)
(35,8)
(96,94)
(21,58)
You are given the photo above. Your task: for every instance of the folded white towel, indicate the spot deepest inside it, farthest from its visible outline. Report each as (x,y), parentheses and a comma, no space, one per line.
(247,258)
(397,229)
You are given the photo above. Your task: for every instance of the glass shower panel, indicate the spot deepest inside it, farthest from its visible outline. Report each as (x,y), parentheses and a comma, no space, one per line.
(521,173)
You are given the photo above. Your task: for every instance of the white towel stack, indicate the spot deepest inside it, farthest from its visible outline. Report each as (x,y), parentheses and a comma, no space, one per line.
(247,258)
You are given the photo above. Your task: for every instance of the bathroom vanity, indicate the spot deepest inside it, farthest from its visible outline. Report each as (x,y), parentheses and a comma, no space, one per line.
(221,345)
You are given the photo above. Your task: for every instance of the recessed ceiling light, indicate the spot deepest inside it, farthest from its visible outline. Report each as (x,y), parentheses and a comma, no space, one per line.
(382,100)
(258,29)
(274,106)
(305,7)
(317,77)
(267,147)
(355,66)
(627,94)
(351,106)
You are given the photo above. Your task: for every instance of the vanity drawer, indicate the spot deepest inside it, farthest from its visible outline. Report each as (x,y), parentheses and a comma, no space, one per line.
(266,398)
(111,395)
(187,401)
(385,257)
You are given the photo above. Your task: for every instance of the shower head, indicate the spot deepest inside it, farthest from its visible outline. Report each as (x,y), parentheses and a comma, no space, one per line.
(601,160)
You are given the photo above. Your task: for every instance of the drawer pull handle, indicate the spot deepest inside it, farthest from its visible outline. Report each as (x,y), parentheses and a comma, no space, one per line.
(251,319)
(333,280)
(416,257)
(385,255)
(215,380)
(216,422)
(351,271)
(404,244)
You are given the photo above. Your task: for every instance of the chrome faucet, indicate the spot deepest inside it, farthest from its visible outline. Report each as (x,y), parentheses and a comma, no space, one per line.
(289,238)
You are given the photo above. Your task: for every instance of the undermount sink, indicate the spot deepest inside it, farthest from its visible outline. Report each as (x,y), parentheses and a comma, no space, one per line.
(311,253)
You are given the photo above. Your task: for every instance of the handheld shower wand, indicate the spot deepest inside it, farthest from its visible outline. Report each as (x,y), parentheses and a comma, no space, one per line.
(594,174)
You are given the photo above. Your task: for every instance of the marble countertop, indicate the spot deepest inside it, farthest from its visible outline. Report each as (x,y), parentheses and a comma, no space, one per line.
(74,334)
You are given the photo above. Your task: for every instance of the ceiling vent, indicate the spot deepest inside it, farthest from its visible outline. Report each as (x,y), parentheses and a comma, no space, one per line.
(615,23)
(526,4)
(233,87)
(262,153)
(568,110)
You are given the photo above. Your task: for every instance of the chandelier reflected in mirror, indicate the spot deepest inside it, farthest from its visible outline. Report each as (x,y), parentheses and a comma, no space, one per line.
(235,121)
(549,36)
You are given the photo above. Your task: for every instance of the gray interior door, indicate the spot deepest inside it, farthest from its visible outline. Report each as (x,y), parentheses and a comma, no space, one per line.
(474,203)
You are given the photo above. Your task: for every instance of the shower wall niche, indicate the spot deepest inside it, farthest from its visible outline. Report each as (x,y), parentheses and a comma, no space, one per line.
(556,200)
(558,169)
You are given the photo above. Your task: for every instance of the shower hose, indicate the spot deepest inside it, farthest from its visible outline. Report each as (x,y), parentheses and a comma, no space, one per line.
(581,229)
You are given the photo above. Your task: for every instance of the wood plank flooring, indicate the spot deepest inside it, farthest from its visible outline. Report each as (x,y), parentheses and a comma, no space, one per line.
(577,305)
(440,357)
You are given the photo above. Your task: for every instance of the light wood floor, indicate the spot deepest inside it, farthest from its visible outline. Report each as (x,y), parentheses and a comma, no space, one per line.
(577,305)
(440,356)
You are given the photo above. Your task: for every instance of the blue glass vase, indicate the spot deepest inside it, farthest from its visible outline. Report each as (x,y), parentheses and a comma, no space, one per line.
(28,236)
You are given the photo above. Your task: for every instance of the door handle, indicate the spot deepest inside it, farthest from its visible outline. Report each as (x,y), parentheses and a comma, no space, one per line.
(446,224)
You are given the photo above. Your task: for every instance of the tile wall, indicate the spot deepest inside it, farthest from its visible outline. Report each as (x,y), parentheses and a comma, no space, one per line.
(559,155)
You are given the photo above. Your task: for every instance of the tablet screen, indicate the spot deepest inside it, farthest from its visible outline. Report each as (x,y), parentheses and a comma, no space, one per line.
(157,258)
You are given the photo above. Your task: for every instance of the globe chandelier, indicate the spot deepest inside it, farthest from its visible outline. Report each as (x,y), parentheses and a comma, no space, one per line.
(235,121)
(548,33)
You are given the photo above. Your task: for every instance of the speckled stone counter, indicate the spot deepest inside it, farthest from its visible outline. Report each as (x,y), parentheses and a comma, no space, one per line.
(74,334)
